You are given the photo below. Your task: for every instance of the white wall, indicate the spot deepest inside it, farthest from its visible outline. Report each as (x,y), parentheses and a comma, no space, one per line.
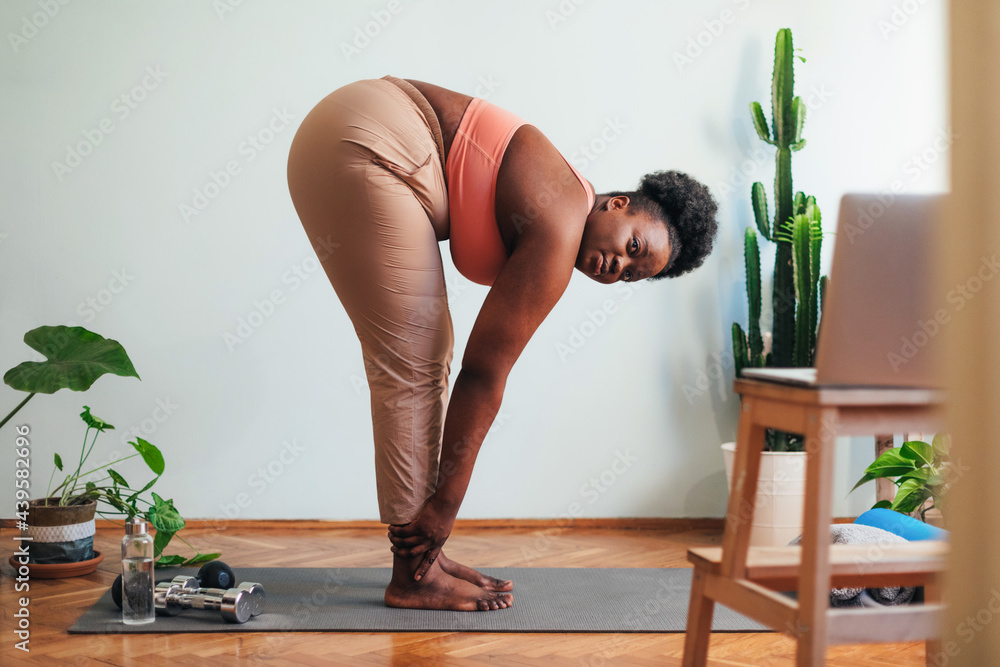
(874,81)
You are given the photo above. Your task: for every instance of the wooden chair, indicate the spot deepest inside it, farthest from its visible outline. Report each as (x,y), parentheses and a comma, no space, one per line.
(748,580)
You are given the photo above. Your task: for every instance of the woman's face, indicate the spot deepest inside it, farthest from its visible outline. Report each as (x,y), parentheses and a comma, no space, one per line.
(617,245)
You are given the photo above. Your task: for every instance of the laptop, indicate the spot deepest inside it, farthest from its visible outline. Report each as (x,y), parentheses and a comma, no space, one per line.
(882,319)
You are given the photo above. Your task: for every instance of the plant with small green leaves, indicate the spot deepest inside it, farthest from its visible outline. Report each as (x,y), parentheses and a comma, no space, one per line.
(109,488)
(921,470)
(797,233)
(74,359)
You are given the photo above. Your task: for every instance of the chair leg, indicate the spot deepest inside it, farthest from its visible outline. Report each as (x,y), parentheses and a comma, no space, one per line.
(814,573)
(699,622)
(932,595)
(743,494)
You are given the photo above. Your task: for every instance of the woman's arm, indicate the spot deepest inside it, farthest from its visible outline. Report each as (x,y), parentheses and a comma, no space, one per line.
(529,285)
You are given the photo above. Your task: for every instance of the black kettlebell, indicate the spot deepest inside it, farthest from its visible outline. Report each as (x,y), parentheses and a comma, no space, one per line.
(213,574)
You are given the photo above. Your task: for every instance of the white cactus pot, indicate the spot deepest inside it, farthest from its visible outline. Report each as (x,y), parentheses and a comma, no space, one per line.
(780,501)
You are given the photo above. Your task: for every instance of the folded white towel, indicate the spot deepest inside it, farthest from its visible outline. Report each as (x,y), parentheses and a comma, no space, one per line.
(852,533)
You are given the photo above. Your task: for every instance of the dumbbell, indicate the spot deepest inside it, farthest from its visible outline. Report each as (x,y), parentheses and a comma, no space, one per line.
(213,574)
(234,605)
(189,586)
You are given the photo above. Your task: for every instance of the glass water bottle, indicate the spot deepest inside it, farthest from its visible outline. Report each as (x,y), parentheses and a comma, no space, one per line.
(137,573)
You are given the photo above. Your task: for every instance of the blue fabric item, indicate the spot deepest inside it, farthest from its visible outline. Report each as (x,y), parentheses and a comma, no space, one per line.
(900,524)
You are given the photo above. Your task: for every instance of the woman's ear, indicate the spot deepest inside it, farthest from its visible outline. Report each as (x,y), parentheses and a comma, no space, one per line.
(616,202)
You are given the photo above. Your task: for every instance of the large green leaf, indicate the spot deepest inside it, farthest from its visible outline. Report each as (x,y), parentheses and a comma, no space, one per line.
(911,494)
(164,516)
(941,444)
(160,541)
(864,480)
(150,454)
(75,358)
(891,464)
(927,475)
(918,451)
(166,561)
(200,558)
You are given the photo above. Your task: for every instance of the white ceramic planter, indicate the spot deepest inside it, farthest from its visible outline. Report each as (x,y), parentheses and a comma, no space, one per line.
(781,490)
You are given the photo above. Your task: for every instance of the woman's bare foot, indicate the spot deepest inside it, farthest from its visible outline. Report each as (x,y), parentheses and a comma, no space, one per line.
(439,590)
(465,572)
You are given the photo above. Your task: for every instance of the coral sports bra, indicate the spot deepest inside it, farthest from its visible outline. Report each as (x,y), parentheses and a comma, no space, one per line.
(471,171)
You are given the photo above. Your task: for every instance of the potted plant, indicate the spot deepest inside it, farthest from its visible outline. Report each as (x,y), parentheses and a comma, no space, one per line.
(797,295)
(922,474)
(61,524)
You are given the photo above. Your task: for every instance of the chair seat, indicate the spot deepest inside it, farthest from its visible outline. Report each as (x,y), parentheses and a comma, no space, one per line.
(851,565)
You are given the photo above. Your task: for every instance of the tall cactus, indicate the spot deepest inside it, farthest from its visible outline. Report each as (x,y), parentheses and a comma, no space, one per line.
(788,115)
(796,230)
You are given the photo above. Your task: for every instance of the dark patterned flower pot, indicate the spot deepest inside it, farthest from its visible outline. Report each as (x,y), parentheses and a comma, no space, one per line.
(60,534)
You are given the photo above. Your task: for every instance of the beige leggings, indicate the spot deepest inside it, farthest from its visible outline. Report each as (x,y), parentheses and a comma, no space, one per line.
(365,173)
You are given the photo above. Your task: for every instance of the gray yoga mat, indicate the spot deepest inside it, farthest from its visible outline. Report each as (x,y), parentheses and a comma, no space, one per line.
(350,599)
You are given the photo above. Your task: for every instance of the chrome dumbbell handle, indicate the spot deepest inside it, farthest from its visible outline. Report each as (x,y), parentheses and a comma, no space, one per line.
(254,590)
(165,597)
(234,604)
(258,597)
(171,598)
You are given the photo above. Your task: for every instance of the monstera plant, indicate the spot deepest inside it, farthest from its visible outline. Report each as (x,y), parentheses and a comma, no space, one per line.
(75,359)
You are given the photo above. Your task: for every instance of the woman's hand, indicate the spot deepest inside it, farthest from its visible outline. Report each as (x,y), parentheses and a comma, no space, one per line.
(424,536)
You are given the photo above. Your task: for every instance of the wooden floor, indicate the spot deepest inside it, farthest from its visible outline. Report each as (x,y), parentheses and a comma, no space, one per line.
(55,604)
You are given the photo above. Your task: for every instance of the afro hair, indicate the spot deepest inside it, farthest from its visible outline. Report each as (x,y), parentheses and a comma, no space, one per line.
(687,209)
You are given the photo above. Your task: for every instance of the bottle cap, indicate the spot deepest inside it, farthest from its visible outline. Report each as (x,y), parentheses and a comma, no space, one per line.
(135,526)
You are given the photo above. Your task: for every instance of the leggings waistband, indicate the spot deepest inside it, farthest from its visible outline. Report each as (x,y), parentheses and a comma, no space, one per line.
(426,109)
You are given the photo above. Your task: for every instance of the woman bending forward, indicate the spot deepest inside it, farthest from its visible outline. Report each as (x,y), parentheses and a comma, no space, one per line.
(386,169)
